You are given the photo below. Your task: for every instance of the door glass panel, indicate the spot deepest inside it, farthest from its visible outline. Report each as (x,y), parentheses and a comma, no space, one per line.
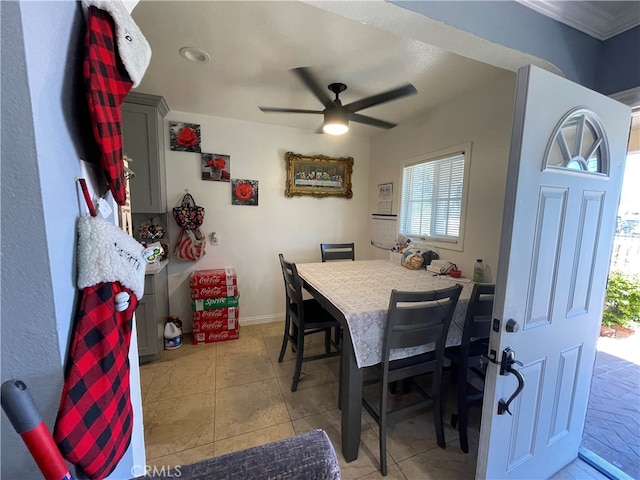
(578,143)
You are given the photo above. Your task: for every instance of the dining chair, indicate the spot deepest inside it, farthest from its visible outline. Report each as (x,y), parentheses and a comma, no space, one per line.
(337,251)
(467,372)
(413,319)
(303,318)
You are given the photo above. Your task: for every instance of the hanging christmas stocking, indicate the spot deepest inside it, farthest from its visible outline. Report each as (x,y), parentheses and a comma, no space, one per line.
(117,55)
(95,419)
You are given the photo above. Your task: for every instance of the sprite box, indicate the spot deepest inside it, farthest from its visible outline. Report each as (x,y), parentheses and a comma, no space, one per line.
(211,303)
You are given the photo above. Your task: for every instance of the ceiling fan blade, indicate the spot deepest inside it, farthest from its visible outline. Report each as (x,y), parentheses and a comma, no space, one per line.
(287,110)
(356,117)
(310,81)
(387,96)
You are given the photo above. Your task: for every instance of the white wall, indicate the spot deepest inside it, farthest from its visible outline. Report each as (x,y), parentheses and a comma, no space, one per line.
(483,117)
(251,237)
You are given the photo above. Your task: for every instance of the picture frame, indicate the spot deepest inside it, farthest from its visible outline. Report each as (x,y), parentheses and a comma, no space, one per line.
(318,175)
(184,137)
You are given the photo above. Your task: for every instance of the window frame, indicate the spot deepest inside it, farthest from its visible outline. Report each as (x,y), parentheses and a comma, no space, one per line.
(456,244)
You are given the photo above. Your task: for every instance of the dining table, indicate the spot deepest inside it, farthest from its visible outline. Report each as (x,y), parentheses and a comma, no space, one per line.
(357,294)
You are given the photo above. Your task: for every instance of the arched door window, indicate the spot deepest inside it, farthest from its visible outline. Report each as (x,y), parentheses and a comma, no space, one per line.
(579,143)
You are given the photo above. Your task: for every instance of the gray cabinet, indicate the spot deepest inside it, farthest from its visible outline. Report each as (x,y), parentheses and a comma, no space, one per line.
(144,142)
(151,314)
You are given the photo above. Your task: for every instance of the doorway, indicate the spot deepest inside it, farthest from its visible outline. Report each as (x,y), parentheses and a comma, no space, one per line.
(611,438)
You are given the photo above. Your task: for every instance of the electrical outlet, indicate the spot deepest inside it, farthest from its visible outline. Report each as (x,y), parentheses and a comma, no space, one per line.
(214,239)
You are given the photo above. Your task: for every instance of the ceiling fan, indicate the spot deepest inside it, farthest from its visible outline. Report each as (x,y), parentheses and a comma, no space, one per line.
(336,115)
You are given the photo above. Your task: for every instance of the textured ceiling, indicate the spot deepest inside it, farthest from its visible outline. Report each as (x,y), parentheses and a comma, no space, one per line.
(369,46)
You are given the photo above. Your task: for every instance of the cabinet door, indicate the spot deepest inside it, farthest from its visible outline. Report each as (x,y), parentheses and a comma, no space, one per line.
(142,131)
(146,327)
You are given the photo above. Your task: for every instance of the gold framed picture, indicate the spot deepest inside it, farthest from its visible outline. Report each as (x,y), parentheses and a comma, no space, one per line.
(318,175)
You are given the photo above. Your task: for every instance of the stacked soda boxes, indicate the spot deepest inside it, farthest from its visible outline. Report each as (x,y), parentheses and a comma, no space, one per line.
(214,302)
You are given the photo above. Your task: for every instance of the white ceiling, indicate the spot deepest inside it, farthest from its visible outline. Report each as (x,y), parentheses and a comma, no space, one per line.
(370,46)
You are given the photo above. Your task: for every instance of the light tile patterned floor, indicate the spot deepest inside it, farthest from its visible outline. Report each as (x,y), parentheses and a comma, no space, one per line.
(201,401)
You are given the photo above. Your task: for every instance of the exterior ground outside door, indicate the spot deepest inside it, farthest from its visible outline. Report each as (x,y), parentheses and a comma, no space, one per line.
(566,164)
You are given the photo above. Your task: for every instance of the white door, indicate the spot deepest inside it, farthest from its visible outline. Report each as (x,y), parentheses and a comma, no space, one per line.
(566,163)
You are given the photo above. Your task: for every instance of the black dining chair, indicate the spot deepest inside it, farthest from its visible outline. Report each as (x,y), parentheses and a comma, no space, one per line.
(467,372)
(337,251)
(413,319)
(303,318)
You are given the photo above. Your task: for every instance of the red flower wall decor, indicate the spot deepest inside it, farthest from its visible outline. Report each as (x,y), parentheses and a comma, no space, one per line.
(244,192)
(184,137)
(216,167)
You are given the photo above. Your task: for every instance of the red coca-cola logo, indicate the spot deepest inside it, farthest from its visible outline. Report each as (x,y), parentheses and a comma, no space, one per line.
(224,335)
(216,313)
(209,291)
(212,280)
(211,325)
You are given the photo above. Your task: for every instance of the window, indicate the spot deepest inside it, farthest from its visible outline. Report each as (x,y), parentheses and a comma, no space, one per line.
(434,198)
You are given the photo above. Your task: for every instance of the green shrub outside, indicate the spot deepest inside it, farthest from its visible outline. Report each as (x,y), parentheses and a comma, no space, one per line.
(622,302)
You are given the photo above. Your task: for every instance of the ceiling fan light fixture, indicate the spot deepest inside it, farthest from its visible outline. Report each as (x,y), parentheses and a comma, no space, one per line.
(335,123)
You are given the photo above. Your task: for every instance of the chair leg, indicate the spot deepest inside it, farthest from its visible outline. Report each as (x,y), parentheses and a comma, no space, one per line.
(327,340)
(383,429)
(463,421)
(453,371)
(340,382)
(437,406)
(285,339)
(393,387)
(437,420)
(463,409)
(294,337)
(299,355)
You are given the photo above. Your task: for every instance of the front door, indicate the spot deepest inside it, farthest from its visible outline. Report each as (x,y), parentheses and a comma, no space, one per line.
(564,179)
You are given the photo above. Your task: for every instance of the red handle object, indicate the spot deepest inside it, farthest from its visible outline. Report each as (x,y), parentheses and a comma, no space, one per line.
(25,417)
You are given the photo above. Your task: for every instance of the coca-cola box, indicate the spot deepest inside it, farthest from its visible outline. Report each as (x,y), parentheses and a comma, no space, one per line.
(214,277)
(211,303)
(213,291)
(215,336)
(216,314)
(217,325)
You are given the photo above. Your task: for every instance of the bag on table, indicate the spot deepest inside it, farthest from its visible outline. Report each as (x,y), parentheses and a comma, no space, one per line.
(412,260)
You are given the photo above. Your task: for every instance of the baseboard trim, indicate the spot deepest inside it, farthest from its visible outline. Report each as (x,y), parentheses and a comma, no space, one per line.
(257,320)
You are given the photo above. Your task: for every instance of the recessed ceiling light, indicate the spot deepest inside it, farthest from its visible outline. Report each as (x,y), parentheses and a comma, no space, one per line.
(195,55)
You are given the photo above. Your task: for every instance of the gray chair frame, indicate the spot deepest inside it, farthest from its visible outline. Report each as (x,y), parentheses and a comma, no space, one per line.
(303,318)
(466,370)
(413,319)
(337,251)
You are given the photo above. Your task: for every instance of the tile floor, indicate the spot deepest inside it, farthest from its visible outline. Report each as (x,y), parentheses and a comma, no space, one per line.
(201,401)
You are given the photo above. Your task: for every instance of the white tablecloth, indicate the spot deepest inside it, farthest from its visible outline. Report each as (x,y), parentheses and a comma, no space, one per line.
(361,291)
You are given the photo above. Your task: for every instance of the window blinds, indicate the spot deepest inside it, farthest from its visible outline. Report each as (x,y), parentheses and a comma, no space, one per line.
(431,202)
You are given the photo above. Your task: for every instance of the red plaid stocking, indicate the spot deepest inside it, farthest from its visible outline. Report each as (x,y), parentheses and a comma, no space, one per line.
(94,424)
(107,83)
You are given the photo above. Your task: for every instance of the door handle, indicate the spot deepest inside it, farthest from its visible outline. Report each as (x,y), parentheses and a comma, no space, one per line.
(506,367)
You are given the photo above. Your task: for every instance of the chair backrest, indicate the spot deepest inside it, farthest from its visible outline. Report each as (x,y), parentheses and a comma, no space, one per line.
(337,251)
(477,323)
(292,288)
(419,318)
